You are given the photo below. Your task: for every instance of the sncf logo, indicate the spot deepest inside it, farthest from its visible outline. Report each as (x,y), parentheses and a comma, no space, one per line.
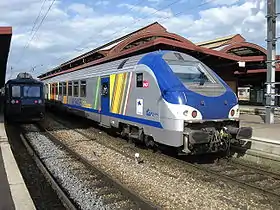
(145,84)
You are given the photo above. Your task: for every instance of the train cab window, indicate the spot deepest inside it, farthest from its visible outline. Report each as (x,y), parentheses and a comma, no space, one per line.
(83,88)
(139,79)
(69,88)
(31,91)
(16,91)
(64,88)
(60,88)
(76,89)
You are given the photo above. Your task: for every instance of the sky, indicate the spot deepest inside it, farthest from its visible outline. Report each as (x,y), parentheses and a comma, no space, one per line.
(72,27)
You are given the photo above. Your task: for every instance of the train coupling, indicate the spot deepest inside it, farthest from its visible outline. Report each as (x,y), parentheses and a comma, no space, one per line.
(240,133)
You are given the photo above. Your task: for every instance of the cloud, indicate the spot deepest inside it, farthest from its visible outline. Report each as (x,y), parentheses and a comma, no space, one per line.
(102,3)
(148,10)
(224,2)
(73,28)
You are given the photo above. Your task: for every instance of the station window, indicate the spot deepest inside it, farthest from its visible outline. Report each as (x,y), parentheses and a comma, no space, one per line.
(69,88)
(64,88)
(16,91)
(83,88)
(76,89)
(60,89)
(139,80)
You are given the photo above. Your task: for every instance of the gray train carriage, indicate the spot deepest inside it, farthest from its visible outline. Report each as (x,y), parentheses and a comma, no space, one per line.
(163,97)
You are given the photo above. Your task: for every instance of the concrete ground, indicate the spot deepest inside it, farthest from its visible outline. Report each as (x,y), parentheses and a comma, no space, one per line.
(260,129)
(13,192)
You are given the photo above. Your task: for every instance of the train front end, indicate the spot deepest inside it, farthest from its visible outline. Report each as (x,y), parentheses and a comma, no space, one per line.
(24,100)
(205,104)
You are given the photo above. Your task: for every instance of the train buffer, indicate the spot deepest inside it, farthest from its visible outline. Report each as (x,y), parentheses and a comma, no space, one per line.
(13,191)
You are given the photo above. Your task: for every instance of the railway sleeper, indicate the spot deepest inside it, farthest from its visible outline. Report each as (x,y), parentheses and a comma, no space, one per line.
(123,204)
(274,187)
(106,190)
(256,179)
(112,198)
(241,173)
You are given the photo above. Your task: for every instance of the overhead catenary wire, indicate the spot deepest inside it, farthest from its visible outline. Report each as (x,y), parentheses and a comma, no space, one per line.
(164,18)
(137,20)
(111,22)
(31,31)
(40,24)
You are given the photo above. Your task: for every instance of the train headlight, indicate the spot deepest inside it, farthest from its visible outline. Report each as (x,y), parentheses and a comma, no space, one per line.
(39,101)
(185,113)
(232,112)
(13,101)
(194,114)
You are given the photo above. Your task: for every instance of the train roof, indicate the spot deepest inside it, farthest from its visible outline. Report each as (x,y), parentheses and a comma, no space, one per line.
(23,77)
(18,81)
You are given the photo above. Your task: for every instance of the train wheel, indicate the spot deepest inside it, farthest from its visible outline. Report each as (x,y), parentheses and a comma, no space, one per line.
(149,141)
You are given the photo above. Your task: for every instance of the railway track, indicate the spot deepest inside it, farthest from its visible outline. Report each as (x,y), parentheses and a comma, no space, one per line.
(109,193)
(40,164)
(244,175)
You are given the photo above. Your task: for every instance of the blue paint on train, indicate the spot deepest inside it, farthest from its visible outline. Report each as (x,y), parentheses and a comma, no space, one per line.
(123,117)
(174,91)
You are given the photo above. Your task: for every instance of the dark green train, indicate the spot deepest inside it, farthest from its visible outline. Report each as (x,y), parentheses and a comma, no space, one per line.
(24,99)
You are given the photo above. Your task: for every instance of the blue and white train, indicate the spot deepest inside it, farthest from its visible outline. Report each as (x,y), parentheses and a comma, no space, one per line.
(160,98)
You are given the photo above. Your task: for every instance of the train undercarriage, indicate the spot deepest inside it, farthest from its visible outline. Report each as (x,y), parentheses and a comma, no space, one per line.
(213,137)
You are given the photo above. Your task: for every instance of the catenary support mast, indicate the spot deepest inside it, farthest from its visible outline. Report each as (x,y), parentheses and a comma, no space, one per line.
(271,57)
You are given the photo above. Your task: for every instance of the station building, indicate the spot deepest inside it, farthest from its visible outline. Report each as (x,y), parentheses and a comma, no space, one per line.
(240,63)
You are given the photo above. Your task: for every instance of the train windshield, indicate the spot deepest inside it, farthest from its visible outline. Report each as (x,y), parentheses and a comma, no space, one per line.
(192,72)
(31,91)
(16,91)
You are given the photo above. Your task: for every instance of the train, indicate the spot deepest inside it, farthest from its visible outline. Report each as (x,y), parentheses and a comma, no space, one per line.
(24,99)
(160,98)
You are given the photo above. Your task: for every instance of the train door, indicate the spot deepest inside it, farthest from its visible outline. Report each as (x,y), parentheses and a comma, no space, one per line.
(105,101)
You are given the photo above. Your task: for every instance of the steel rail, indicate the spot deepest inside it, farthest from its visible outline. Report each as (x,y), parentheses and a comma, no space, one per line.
(140,202)
(202,168)
(61,194)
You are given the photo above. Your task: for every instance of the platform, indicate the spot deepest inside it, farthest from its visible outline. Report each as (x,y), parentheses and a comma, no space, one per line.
(256,110)
(13,191)
(264,146)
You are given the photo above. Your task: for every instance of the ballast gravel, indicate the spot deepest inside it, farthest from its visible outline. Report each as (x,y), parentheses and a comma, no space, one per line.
(159,179)
(72,175)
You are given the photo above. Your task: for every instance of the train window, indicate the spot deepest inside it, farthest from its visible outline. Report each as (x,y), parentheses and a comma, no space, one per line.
(55,89)
(64,88)
(83,88)
(179,56)
(16,91)
(69,88)
(60,88)
(139,80)
(31,91)
(76,89)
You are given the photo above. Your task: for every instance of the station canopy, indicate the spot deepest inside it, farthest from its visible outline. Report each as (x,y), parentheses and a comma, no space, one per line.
(5,41)
(220,54)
